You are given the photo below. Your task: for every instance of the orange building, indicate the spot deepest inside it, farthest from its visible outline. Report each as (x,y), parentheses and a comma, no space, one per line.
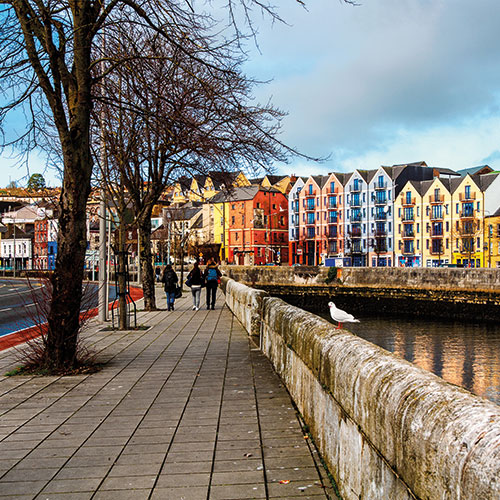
(257,225)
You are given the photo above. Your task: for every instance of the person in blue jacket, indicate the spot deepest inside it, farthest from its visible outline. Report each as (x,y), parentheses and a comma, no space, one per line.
(212,276)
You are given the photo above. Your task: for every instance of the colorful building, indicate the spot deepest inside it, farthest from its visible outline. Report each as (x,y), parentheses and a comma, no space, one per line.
(257,226)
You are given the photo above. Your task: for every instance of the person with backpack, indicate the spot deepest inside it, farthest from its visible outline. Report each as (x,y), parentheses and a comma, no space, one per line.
(195,281)
(212,276)
(170,280)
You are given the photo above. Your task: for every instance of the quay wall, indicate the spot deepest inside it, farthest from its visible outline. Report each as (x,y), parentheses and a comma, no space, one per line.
(413,277)
(387,429)
(457,294)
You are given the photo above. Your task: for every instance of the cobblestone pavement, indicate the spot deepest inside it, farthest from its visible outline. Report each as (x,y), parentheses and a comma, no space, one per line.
(187,409)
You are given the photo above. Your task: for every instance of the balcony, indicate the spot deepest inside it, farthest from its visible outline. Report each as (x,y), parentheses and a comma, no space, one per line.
(355,203)
(408,235)
(408,218)
(381,186)
(467,214)
(355,189)
(408,251)
(467,197)
(437,233)
(380,233)
(407,203)
(310,208)
(433,199)
(355,218)
(311,194)
(437,216)
(467,231)
(332,220)
(355,232)
(380,216)
(380,201)
(380,247)
(435,251)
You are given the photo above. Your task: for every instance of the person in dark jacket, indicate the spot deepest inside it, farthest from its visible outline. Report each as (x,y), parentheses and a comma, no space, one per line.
(170,280)
(196,281)
(212,276)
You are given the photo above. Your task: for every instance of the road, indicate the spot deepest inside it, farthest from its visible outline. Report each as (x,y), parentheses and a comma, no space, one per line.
(23,302)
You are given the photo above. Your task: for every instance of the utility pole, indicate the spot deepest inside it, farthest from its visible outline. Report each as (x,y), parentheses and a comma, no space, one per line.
(103,284)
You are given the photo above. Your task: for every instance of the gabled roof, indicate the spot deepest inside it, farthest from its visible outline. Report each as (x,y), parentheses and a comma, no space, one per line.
(19,233)
(484,181)
(481,169)
(413,164)
(320,180)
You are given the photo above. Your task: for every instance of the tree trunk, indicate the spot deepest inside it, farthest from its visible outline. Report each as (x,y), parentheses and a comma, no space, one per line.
(145,259)
(123,323)
(64,315)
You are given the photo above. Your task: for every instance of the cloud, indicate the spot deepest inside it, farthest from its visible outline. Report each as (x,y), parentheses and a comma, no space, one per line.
(352,78)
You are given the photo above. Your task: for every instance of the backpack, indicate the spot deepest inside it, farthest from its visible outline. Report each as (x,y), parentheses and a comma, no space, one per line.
(169,278)
(212,274)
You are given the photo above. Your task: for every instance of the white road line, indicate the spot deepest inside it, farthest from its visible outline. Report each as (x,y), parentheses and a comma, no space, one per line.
(6,309)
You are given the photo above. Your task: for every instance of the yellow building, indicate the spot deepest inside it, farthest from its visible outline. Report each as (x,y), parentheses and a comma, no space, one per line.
(437,222)
(408,226)
(215,217)
(203,187)
(467,230)
(492,240)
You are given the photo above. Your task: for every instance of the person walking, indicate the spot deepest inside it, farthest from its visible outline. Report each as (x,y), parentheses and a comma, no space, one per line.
(196,281)
(170,280)
(212,276)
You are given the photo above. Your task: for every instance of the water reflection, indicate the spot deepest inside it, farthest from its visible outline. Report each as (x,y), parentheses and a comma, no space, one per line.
(467,355)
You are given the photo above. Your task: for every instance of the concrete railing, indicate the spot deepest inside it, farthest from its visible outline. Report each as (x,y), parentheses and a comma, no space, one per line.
(386,428)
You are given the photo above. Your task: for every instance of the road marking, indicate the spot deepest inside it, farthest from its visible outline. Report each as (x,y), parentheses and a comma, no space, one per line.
(6,309)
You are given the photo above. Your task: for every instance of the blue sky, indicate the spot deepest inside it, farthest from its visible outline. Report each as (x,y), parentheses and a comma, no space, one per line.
(388,81)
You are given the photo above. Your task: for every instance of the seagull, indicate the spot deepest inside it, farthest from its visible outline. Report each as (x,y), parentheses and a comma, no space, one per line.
(341,316)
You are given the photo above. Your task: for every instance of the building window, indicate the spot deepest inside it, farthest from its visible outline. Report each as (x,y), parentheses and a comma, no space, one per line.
(310,189)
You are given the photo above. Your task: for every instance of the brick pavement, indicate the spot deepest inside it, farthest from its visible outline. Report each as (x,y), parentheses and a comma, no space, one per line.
(188,409)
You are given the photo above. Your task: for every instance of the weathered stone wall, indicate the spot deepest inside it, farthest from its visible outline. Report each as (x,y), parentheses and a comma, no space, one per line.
(432,278)
(387,429)
(246,304)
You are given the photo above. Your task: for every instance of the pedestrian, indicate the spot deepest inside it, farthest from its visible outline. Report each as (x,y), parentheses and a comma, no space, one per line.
(170,280)
(157,273)
(212,276)
(195,281)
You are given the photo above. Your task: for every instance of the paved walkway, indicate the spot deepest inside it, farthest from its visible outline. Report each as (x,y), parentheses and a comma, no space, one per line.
(187,409)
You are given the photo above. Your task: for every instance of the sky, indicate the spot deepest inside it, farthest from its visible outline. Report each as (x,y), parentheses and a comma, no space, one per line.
(381,83)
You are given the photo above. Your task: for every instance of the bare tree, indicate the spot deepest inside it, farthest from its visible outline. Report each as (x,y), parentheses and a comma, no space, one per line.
(177,116)
(50,53)
(50,65)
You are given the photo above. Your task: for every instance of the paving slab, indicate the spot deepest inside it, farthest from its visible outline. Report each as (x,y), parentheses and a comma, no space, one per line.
(187,409)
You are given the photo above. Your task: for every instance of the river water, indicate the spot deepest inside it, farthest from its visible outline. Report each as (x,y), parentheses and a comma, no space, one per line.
(467,355)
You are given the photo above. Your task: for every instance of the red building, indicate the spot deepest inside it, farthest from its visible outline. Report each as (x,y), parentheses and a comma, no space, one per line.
(40,247)
(257,226)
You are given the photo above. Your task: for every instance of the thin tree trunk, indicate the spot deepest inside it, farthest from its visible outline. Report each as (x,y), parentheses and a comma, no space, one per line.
(145,259)
(122,279)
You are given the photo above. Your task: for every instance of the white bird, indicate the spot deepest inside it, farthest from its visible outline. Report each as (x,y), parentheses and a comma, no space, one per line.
(341,316)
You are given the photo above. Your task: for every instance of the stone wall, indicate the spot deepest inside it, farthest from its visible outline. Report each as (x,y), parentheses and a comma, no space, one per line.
(430,278)
(387,429)
(457,294)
